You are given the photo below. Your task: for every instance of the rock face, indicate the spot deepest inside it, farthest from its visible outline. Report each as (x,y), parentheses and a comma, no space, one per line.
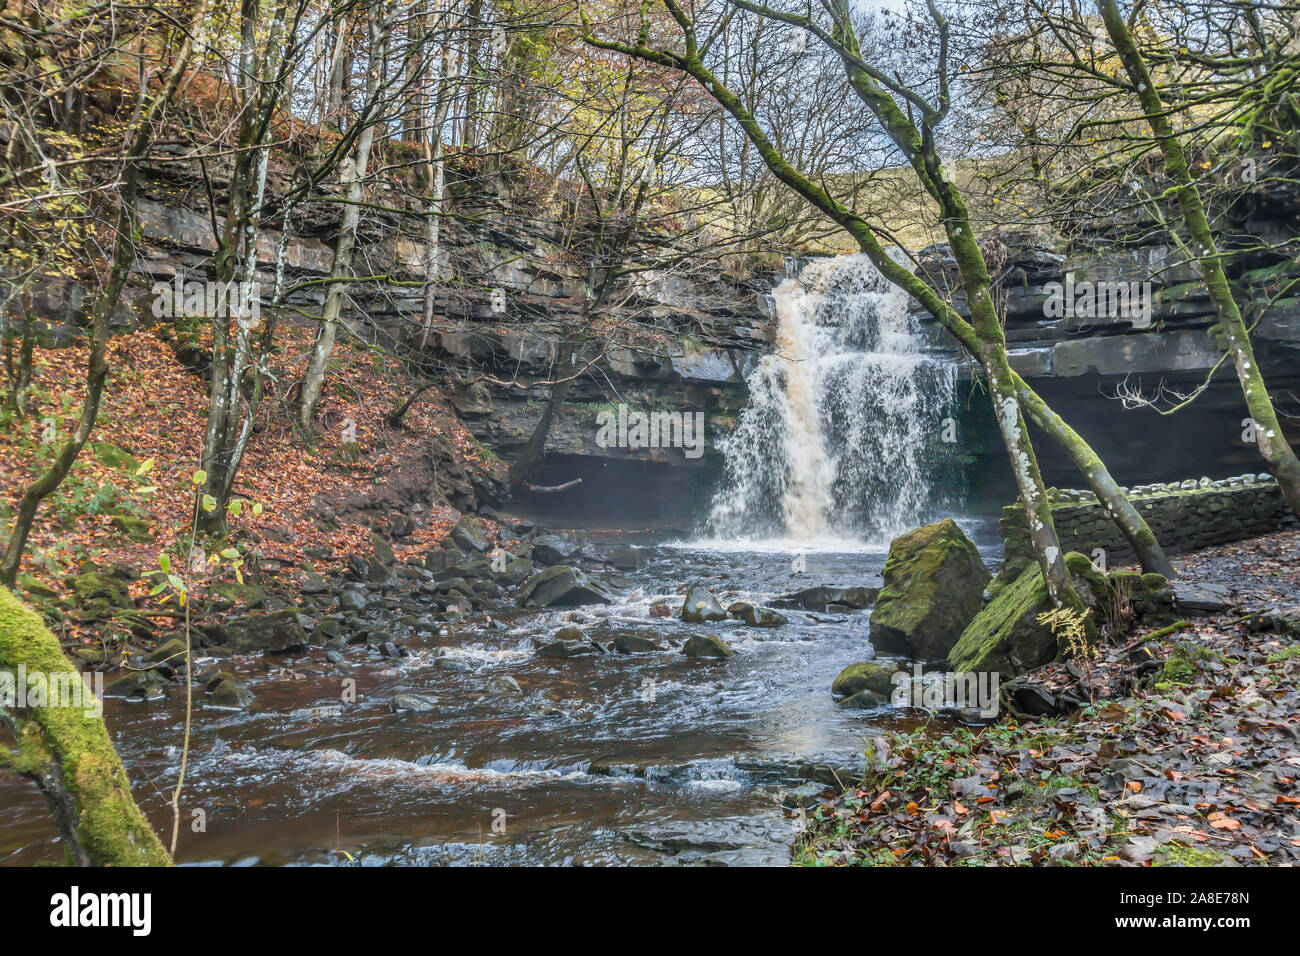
(1006,636)
(1078,361)
(934,587)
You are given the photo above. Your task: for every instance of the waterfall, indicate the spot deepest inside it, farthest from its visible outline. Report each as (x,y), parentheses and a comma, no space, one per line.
(842,437)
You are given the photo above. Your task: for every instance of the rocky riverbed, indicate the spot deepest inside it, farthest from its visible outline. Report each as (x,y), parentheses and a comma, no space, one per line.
(404,712)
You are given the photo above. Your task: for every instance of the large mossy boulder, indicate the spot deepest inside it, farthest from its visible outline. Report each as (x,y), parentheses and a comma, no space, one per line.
(1006,636)
(934,587)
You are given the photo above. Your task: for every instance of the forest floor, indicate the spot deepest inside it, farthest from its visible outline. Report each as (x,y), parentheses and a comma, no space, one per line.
(1190,756)
(107,512)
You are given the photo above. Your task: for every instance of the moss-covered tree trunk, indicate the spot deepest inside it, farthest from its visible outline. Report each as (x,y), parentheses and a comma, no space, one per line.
(67,752)
(1277,453)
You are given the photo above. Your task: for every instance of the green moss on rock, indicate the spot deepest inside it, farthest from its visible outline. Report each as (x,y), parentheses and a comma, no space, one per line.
(874,676)
(1006,636)
(934,586)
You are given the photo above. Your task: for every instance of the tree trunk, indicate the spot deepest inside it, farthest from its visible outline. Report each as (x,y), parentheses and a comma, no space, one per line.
(531,455)
(68,753)
(354,174)
(1277,453)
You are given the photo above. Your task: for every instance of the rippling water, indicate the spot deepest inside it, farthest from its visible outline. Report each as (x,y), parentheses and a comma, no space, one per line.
(647,759)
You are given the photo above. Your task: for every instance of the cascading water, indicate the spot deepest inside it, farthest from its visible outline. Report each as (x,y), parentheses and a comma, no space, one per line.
(839,438)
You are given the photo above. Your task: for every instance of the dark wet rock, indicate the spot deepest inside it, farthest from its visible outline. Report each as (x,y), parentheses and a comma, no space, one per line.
(822,597)
(516,571)
(391,651)
(934,587)
(1152,599)
(439,559)
(228,692)
(701,606)
(1201,600)
(414,704)
(313,583)
(359,567)
(172,653)
(383,556)
(564,649)
(625,642)
(625,557)
(707,647)
(139,685)
(271,631)
(756,616)
(864,700)
(473,568)
(557,548)
(876,676)
(401,526)
(470,534)
(561,586)
(1029,699)
(504,686)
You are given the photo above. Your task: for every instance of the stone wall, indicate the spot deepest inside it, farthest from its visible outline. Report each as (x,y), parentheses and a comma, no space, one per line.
(1184,516)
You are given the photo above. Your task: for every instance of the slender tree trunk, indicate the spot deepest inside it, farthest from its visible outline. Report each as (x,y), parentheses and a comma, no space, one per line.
(1273,446)
(533,452)
(354,174)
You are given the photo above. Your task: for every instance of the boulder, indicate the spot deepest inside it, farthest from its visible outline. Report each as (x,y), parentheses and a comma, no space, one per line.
(1006,636)
(563,649)
(470,534)
(875,676)
(414,704)
(504,686)
(271,632)
(227,692)
(820,598)
(556,548)
(934,587)
(756,616)
(625,557)
(145,685)
(560,586)
(626,642)
(864,700)
(707,647)
(701,606)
